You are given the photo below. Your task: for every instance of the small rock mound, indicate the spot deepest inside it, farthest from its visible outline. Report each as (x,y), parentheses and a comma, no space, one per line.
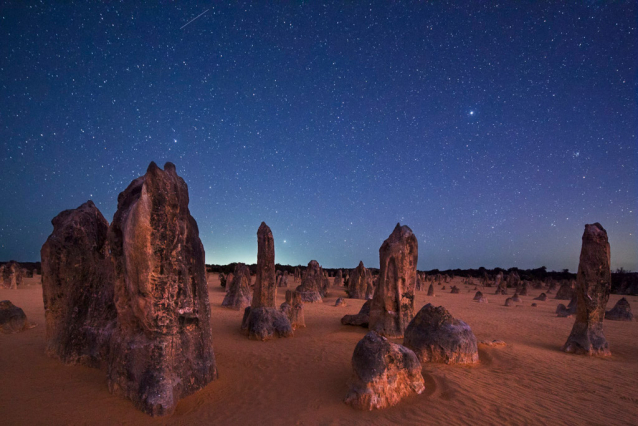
(263,323)
(516,299)
(12,318)
(478,295)
(534,305)
(565,292)
(542,297)
(340,302)
(383,373)
(455,290)
(566,311)
(362,318)
(436,336)
(481,300)
(431,290)
(509,302)
(620,312)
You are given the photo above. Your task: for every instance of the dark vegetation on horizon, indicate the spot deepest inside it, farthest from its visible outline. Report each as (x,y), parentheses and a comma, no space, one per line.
(621,279)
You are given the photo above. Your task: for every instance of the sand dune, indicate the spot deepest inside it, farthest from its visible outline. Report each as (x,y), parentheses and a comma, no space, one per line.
(303,380)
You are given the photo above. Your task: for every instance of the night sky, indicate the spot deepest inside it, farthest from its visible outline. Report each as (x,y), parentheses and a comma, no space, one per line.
(495,131)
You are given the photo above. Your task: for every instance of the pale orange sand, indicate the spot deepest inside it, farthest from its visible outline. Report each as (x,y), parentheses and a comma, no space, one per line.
(303,380)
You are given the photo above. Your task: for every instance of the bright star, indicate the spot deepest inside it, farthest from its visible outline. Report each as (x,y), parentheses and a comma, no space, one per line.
(284,241)
(471,112)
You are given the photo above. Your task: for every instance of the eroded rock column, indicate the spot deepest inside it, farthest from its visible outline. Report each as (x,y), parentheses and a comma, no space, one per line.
(238,293)
(262,320)
(392,307)
(593,285)
(162,348)
(78,287)
(312,283)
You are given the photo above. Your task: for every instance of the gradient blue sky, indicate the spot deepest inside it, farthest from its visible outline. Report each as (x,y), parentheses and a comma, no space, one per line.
(496,131)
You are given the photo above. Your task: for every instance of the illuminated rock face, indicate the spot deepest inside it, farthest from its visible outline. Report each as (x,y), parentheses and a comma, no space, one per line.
(161,349)
(593,284)
(383,373)
(312,283)
(435,336)
(262,320)
(238,292)
(392,307)
(77,287)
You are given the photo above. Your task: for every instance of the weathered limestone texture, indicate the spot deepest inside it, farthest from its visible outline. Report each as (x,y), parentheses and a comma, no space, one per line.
(392,307)
(383,374)
(312,283)
(162,348)
(293,309)
(436,336)
(593,284)
(262,320)
(238,291)
(78,287)
(358,282)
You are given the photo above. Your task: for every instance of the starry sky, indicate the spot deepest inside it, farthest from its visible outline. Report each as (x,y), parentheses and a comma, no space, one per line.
(495,130)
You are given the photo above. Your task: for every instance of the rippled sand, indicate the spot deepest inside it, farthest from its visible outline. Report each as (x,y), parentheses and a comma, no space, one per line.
(303,380)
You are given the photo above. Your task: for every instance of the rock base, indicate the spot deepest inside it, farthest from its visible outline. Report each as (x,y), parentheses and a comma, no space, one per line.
(264,323)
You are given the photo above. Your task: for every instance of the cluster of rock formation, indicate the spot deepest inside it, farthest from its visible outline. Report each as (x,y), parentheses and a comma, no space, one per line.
(238,292)
(11,275)
(360,283)
(282,279)
(293,309)
(133,295)
(314,284)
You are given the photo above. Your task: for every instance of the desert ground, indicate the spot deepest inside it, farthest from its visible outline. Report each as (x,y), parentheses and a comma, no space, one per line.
(303,380)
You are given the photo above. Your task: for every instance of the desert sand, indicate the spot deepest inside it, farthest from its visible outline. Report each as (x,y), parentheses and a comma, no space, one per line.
(303,380)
